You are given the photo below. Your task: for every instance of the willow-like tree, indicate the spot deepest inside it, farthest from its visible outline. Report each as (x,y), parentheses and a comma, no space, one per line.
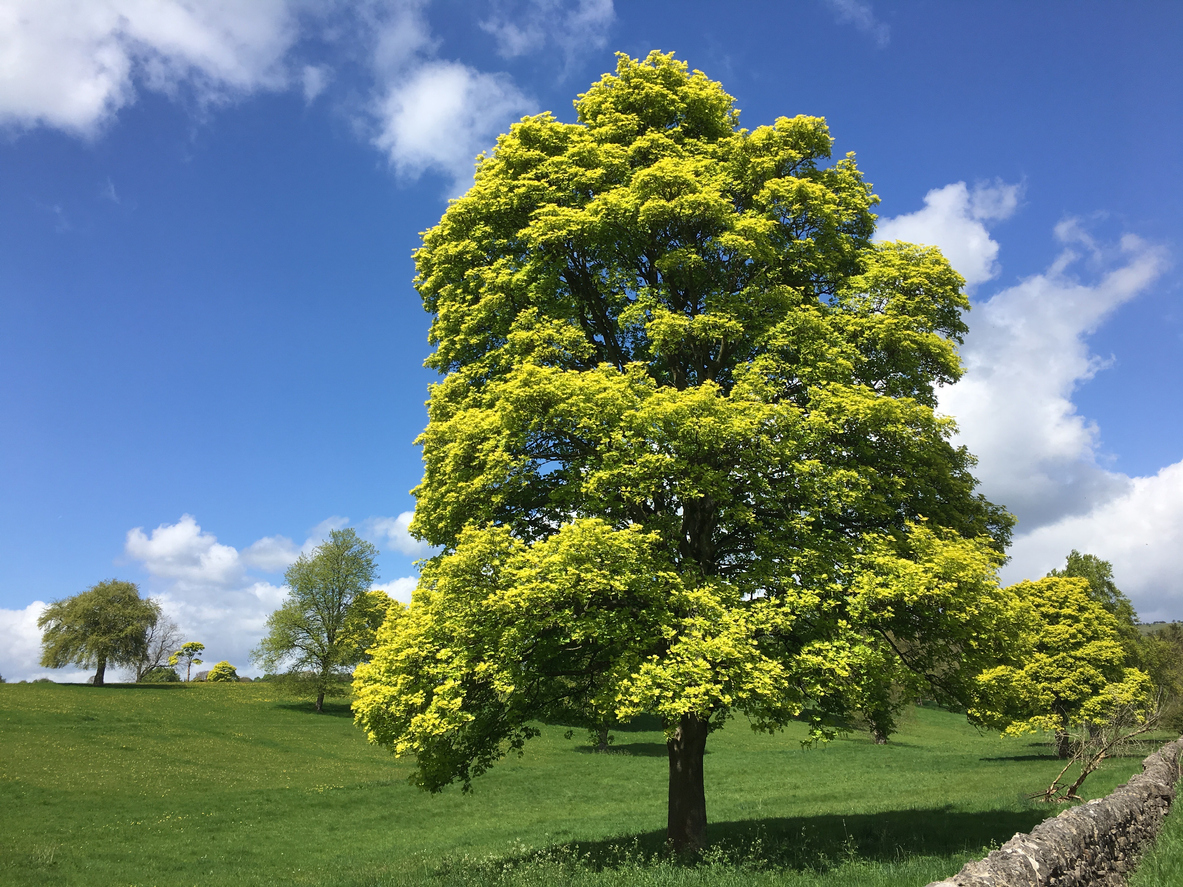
(107,624)
(684,458)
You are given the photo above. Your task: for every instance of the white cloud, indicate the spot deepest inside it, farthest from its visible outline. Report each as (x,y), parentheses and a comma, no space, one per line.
(399,589)
(954,218)
(315,79)
(1139,531)
(529,26)
(860,14)
(393,533)
(183,553)
(20,648)
(444,114)
(271,554)
(72,64)
(1025,354)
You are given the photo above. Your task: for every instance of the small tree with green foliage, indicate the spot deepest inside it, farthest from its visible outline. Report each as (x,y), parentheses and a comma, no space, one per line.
(330,614)
(105,625)
(162,674)
(187,654)
(222,672)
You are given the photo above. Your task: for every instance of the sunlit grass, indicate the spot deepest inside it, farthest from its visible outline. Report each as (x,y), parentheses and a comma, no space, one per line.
(1163,864)
(239,784)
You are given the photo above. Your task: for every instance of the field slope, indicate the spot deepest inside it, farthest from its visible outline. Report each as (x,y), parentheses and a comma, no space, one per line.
(238,784)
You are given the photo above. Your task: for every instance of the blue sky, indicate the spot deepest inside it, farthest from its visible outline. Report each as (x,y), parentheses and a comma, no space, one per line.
(211,349)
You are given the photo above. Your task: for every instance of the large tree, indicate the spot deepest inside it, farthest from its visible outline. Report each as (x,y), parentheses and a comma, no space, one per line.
(107,624)
(316,630)
(684,458)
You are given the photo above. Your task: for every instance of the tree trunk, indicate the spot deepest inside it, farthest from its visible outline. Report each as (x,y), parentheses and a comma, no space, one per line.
(320,701)
(602,737)
(878,735)
(686,831)
(1063,745)
(100,671)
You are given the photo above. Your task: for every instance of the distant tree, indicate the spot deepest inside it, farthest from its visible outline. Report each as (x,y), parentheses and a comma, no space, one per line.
(323,625)
(162,674)
(105,625)
(1102,589)
(1163,656)
(223,672)
(880,687)
(161,640)
(187,654)
(1071,667)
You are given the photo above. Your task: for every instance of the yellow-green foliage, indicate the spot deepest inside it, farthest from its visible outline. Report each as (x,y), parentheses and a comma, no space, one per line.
(685,458)
(223,671)
(1070,664)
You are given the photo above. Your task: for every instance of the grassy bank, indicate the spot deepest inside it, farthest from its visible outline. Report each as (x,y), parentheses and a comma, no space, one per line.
(238,784)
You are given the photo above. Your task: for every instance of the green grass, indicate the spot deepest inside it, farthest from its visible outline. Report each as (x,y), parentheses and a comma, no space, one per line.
(1163,864)
(238,784)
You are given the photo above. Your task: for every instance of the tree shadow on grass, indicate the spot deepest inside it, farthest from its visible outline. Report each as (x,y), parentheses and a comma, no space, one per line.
(819,843)
(308,707)
(636,749)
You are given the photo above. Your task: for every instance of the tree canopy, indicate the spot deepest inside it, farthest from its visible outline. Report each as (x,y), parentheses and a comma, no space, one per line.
(685,458)
(1070,665)
(105,625)
(188,654)
(322,625)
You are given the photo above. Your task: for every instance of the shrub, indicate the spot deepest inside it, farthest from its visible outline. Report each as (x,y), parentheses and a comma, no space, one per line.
(224,672)
(162,674)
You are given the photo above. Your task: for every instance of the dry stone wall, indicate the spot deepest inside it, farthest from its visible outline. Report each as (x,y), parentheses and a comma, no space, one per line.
(1094,845)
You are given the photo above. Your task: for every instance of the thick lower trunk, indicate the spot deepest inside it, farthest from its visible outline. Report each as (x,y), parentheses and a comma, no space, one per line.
(686,831)
(879,736)
(602,738)
(320,701)
(100,671)
(1063,744)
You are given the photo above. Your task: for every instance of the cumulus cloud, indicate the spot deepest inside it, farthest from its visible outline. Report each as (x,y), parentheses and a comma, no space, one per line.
(528,27)
(392,533)
(1139,531)
(212,591)
(443,115)
(72,64)
(1026,353)
(183,553)
(860,14)
(399,589)
(954,218)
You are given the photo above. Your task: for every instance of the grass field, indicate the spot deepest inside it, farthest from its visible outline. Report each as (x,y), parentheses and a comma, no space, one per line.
(237,784)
